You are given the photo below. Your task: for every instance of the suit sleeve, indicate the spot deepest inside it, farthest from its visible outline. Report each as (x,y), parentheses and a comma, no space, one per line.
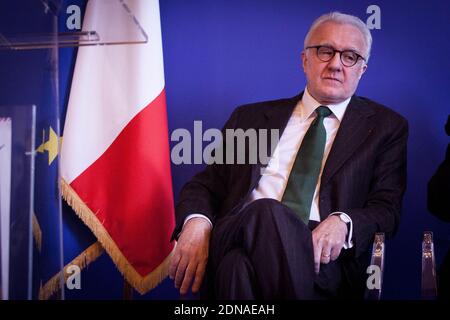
(206,191)
(381,212)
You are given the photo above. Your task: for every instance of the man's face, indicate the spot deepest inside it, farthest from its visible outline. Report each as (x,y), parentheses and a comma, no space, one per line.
(331,82)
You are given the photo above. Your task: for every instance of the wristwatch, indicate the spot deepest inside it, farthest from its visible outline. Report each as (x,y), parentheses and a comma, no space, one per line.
(344,218)
(347,221)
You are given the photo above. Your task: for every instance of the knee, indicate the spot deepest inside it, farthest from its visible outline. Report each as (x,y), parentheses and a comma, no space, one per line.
(264,207)
(269,210)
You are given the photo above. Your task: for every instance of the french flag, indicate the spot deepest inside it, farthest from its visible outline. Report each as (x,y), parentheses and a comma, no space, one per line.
(115,157)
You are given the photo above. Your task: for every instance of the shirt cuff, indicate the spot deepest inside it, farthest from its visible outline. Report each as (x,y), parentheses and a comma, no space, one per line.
(345,217)
(196,215)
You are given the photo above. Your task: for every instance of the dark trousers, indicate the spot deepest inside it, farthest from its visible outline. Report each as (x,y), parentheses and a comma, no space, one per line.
(265,252)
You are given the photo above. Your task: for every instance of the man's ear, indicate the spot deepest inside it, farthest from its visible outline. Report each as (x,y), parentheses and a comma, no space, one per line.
(303,57)
(363,69)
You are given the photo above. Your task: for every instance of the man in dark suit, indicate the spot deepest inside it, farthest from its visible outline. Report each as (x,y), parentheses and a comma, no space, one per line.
(301,226)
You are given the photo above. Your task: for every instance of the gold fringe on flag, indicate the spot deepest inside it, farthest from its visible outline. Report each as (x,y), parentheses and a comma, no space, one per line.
(82,260)
(141,284)
(37,232)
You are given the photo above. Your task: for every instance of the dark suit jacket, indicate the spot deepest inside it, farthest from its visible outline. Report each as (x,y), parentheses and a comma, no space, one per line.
(364,176)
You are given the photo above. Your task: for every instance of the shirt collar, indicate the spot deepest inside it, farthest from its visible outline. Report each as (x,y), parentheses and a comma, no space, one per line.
(307,105)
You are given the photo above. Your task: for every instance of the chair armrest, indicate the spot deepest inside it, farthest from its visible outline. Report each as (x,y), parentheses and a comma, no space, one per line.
(429,283)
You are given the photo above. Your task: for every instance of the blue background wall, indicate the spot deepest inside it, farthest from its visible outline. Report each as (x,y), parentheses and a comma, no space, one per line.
(223,53)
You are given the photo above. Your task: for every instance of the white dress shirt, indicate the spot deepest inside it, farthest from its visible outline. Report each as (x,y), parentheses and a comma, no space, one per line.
(275,177)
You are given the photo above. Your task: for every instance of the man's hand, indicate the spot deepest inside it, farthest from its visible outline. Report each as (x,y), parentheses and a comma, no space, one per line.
(190,256)
(328,239)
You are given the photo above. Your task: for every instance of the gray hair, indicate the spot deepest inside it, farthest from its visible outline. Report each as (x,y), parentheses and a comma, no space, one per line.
(342,18)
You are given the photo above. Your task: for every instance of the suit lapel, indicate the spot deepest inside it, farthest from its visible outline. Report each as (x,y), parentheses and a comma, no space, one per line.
(276,117)
(353,131)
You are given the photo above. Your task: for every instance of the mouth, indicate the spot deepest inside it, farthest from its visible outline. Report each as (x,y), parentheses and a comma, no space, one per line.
(332,79)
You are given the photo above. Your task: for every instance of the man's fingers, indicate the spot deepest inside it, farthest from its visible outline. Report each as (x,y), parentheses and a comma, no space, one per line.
(317,252)
(191,252)
(174,265)
(181,270)
(325,258)
(325,255)
(335,252)
(199,274)
(188,276)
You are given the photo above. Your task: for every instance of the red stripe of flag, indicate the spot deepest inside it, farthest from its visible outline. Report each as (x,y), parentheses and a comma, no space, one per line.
(129,188)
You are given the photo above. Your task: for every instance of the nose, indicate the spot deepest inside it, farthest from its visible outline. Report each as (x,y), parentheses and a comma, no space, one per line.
(335,63)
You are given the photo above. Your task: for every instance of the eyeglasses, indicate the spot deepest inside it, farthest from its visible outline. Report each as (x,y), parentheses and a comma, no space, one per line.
(348,57)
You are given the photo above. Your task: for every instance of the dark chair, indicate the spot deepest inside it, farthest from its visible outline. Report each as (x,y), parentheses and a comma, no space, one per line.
(429,283)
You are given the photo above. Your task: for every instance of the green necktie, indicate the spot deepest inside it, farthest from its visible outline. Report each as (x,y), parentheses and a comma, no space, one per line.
(302,181)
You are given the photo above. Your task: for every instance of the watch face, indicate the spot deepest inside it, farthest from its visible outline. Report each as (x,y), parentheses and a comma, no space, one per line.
(344,218)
